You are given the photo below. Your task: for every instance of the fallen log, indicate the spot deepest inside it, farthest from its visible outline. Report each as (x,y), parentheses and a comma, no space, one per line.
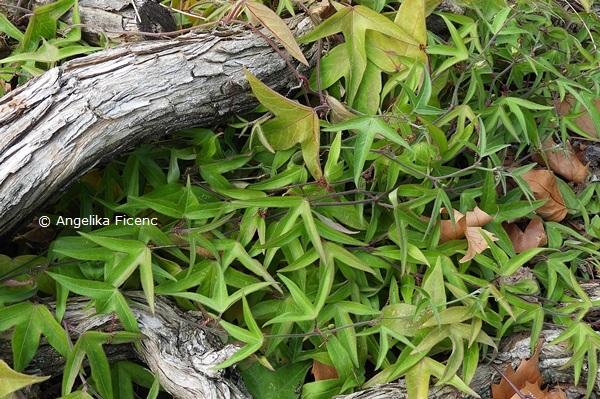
(177,348)
(89,110)
(181,351)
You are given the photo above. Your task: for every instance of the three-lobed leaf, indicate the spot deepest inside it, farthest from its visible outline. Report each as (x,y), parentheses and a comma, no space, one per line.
(293,124)
(354,22)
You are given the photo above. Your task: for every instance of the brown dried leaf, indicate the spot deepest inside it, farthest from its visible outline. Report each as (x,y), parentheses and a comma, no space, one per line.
(477,218)
(531,390)
(36,234)
(584,122)
(543,185)
(184,244)
(323,9)
(468,226)
(339,112)
(474,218)
(476,243)
(528,372)
(452,231)
(562,161)
(534,235)
(323,371)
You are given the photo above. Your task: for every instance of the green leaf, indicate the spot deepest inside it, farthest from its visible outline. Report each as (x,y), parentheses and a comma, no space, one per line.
(293,123)
(50,54)
(402,318)
(108,298)
(354,22)
(293,175)
(311,228)
(138,254)
(31,321)
(7,27)
(367,128)
(348,258)
(91,344)
(11,381)
(411,18)
(43,24)
(433,284)
(519,260)
(124,374)
(253,337)
(454,54)
(280,383)
(234,250)
(417,380)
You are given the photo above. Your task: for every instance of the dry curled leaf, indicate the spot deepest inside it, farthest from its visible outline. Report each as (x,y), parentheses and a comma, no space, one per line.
(534,235)
(527,373)
(530,390)
(561,160)
(476,242)
(468,226)
(544,186)
(339,112)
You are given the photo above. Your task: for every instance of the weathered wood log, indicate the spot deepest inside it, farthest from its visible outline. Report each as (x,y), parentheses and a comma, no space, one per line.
(178,349)
(114,20)
(63,123)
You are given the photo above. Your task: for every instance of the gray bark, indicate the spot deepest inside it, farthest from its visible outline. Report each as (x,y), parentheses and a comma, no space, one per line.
(181,352)
(60,125)
(177,349)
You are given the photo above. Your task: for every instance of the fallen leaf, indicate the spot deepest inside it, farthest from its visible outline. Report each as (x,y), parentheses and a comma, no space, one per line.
(467,226)
(522,274)
(477,218)
(561,161)
(531,390)
(456,231)
(323,9)
(584,122)
(527,373)
(534,235)
(544,186)
(476,242)
(452,231)
(323,371)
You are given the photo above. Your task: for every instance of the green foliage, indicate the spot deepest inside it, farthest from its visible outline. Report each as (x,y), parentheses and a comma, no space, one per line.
(310,236)
(11,381)
(40,47)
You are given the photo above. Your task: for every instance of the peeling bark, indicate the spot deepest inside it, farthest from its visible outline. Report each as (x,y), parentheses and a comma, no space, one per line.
(178,349)
(89,110)
(181,351)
